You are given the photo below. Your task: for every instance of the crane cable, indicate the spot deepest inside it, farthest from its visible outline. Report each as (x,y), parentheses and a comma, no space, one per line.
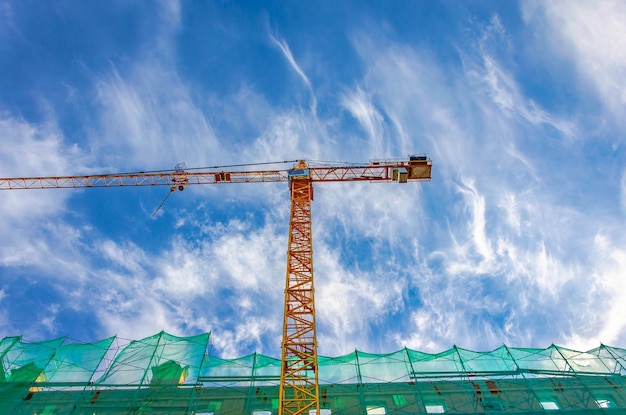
(210,167)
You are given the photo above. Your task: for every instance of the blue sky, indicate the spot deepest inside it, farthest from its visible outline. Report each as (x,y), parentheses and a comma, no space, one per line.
(518,239)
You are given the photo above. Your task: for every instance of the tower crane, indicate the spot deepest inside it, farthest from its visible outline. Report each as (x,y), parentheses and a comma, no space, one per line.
(299,390)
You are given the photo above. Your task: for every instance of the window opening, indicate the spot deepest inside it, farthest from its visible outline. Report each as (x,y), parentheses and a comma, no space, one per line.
(435,409)
(605,403)
(399,400)
(376,410)
(549,405)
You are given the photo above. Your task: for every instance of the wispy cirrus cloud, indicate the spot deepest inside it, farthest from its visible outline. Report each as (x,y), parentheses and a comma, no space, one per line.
(361,107)
(510,252)
(504,93)
(475,203)
(513,241)
(29,217)
(154,126)
(284,48)
(592,36)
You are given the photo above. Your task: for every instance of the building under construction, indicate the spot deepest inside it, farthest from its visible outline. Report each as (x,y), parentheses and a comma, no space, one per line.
(165,374)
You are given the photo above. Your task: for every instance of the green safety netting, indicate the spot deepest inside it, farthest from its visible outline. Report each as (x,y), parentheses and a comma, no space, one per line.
(614,358)
(337,370)
(166,374)
(76,363)
(433,365)
(25,362)
(496,361)
(158,359)
(254,368)
(164,358)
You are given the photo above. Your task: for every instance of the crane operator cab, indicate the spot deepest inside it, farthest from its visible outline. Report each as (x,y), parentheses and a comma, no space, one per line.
(419,167)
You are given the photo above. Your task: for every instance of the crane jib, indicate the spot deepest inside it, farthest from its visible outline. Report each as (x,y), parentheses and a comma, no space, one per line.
(415,169)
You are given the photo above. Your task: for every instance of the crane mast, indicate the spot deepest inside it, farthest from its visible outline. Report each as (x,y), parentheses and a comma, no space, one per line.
(299,383)
(299,391)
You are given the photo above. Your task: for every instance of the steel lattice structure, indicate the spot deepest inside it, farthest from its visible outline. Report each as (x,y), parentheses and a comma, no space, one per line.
(299,385)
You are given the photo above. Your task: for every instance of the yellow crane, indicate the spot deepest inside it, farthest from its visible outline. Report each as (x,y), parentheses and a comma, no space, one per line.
(299,390)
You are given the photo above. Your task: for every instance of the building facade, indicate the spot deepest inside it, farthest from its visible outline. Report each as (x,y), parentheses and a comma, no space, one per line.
(165,374)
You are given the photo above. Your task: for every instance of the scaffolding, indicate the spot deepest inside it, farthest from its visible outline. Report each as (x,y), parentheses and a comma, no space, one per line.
(166,374)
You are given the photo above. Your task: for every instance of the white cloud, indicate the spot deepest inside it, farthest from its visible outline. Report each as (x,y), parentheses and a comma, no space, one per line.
(476,203)
(31,150)
(149,121)
(593,36)
(497,248)
(224,283)
(361,107)
(127,256)
(509,204)
(290,135)
(30,217)
(505,94)
(488,64)
(381,213)
(242,115)
(622,191)
(48,322)
(352,302)
(284,48)
(513,266)
(251,334)
(600,318)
